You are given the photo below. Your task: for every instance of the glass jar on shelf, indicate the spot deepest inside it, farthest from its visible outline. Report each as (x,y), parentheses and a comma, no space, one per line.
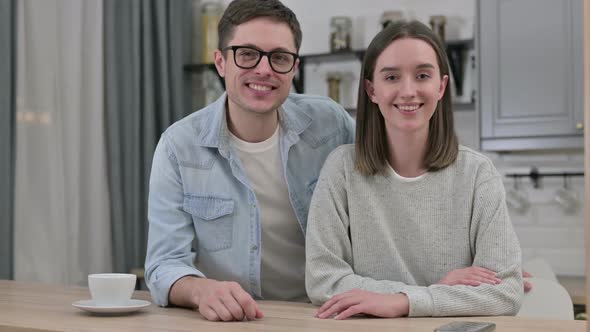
(210,14)
(334,79)
(391,16)
(437,23)
(340,33)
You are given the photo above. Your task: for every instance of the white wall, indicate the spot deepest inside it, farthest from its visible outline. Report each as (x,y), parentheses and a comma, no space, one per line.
(544,230)
(314,17)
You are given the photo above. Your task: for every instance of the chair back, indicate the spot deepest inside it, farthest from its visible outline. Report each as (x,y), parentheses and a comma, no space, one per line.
(547,299)
(539,268)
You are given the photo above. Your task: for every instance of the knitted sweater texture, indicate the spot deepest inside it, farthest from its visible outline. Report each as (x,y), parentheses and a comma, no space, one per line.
(388,234)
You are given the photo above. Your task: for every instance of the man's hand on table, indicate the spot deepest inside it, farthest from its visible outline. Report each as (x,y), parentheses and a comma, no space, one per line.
(226,301)
(215,300)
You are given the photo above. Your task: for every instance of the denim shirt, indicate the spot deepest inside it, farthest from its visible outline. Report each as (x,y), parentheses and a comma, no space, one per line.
(203,215)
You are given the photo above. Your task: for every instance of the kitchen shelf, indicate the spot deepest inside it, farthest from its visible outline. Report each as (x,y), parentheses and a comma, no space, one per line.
(298,81)
(198,67)
(308,58)
(334,56)
(455,50)
(460,107)
(303,60)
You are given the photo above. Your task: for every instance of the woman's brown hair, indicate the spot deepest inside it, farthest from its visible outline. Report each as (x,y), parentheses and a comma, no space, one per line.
(372,149)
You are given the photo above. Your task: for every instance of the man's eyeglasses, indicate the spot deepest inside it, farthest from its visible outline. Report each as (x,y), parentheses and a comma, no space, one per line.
(247,57)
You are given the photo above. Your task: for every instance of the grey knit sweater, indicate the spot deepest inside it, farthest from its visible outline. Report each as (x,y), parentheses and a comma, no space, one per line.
(388,234)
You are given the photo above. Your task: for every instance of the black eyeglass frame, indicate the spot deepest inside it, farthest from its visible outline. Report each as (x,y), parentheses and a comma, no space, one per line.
(262,53)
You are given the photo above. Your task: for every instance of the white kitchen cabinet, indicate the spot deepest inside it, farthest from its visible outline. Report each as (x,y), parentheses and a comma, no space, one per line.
(531,63)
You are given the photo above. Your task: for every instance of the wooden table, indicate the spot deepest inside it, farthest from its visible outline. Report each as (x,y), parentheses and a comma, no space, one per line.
(29,307)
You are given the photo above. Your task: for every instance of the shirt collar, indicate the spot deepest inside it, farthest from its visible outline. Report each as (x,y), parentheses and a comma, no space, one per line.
(212,130)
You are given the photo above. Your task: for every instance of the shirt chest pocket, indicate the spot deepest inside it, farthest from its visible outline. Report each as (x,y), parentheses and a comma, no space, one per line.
(213,218)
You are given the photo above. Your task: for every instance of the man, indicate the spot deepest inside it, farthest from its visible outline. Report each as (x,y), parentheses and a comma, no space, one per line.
(236,177)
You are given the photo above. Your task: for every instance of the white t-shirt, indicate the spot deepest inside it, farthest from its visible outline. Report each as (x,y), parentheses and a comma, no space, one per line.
(283,244)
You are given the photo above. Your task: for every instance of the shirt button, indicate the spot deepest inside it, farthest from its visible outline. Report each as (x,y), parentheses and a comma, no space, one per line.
(254,248)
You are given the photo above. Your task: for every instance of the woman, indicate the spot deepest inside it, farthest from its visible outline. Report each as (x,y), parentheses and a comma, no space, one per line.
(407,222)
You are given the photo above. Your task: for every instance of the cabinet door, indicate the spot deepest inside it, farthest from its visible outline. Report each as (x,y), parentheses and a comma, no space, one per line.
(578,40)
(531,68)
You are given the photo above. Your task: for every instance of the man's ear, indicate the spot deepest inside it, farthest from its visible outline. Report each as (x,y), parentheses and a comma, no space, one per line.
(370,90)
(296,66)
(219,63)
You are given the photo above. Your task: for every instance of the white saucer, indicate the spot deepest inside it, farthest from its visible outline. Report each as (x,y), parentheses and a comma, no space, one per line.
(91,306)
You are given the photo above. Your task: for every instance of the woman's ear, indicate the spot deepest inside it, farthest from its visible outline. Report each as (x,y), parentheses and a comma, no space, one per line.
(370,90)
(443,86)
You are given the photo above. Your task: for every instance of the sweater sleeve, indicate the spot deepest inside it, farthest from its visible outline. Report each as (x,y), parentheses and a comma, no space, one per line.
(329,267)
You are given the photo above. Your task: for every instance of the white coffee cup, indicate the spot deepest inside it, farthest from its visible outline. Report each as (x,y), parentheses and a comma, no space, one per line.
(111,289)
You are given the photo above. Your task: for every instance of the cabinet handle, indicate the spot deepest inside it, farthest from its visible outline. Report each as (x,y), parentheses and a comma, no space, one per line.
(579,126)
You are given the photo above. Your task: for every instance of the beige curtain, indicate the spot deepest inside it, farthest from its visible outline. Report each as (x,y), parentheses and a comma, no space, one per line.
(62,223)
